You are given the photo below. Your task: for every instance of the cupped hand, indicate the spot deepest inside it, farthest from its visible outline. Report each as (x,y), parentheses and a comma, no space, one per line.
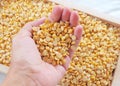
(26,59)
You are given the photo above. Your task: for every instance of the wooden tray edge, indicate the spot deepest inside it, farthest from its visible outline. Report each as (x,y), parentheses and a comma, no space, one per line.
(116,76)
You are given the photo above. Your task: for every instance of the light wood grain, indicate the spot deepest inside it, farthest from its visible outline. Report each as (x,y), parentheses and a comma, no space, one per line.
(116,79)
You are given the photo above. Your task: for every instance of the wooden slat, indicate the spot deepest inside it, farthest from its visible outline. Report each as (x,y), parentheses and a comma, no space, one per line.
(116,79)
(105,17)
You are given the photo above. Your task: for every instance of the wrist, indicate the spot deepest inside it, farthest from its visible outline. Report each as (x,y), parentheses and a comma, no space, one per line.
(17,76)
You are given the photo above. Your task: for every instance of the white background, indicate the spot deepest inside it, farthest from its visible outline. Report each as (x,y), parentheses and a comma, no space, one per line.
(110,7)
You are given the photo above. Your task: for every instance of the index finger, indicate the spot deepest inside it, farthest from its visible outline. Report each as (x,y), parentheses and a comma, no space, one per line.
(56,14)
(35,23)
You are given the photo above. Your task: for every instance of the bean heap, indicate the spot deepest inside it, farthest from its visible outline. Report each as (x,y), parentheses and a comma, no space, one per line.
(54,41)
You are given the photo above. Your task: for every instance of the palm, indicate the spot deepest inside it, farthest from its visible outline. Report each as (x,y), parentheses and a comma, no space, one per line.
(48,75)
(41,71)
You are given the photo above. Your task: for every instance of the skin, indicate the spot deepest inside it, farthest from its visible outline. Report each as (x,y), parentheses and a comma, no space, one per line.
(27,68)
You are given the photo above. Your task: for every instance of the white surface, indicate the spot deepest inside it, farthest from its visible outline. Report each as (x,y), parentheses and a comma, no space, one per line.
(111,7)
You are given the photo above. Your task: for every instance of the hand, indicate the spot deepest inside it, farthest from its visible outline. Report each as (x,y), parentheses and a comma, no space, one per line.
(27,68)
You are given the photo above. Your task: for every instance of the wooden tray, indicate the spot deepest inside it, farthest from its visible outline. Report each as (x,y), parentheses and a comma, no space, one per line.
(104,17)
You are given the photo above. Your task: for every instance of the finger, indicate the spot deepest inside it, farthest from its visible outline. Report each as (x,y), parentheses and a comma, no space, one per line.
(56,14)
(74,18)
(27,29)
(78,33)
(61,71)
(38,22)
(35,23)
(66,14)
(66,65)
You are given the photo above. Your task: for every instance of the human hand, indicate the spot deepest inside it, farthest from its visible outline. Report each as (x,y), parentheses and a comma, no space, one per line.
(27,65)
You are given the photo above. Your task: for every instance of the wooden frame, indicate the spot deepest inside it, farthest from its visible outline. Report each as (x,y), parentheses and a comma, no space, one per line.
(104,17)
